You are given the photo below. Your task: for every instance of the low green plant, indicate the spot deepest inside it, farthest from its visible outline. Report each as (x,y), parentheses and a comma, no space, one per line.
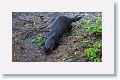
(86,43)
(97,44)
(90,28)
(92,47)
(74,31)
(95,28)
(97,59)
(38,41)
(92,52)
(92,55)
(37,26)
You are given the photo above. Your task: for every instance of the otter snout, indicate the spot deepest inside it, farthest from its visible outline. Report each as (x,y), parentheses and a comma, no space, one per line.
(46,51)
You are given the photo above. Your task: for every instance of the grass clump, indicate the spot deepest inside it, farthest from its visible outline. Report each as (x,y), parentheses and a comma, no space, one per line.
(39,40)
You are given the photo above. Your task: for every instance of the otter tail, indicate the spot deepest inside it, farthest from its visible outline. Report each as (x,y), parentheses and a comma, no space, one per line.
(76,18)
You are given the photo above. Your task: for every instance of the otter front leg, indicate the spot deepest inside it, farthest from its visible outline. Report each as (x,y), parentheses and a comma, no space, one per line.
(69,28)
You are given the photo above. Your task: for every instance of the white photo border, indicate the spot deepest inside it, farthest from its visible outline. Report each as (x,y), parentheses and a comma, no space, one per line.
(104,67)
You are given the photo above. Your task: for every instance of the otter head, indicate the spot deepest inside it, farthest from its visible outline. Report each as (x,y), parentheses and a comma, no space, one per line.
(49,44)
(47,51)
(48,48)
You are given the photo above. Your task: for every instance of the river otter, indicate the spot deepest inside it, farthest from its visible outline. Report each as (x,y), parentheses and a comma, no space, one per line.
(61,25)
